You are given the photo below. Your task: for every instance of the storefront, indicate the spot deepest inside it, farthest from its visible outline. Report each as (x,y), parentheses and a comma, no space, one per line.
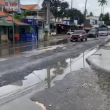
(30,33)
(62,28)
(87,26)
(4,28)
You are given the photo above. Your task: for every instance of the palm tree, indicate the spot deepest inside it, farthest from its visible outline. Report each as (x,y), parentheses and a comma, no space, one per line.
(102,3)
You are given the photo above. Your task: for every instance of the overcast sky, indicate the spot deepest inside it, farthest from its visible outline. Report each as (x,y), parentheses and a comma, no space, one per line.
(92,5)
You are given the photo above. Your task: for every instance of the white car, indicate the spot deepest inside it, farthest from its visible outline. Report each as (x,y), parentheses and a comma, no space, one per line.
(103,32)
(70,32)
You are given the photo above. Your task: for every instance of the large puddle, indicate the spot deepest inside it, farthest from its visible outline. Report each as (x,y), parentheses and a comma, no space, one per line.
(50,74)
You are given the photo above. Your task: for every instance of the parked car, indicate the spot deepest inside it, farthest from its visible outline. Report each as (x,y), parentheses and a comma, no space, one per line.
(79,35)
(103,32)
(93,33)
(109,30)
(70,32)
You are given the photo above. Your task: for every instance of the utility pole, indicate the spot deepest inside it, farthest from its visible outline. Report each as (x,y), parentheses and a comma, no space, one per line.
(13,28)
(85,12)
(48,15)
(48,77)
(71,4)
(71,11)
(85,9)
(18,5)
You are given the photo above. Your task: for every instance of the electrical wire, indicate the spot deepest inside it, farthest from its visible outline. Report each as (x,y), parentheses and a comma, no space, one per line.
(38,1)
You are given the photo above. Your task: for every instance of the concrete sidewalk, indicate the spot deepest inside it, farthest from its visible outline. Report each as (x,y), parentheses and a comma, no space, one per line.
(101,59)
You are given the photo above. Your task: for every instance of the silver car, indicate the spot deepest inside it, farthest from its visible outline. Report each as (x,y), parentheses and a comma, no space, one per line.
(103,32)
(109,31)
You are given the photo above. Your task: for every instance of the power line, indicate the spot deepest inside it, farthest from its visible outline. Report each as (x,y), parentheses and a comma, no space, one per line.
(38,1)
(90,5)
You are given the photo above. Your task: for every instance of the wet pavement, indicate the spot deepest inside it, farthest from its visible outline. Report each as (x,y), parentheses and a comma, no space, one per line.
(66,60)
(45,77)
(79,90)
(18,48)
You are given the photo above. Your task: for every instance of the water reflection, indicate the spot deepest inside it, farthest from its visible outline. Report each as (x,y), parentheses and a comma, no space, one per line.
(36,77)
(56,69)
(50,74)
(16,49)
(18,83)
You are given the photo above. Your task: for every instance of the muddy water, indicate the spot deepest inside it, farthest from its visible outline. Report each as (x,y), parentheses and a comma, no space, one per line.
(50,74)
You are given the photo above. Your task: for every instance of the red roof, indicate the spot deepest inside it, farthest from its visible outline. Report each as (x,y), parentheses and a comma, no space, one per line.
(2,13)
(19,23)
(31,6)
(9,18)
(2,2)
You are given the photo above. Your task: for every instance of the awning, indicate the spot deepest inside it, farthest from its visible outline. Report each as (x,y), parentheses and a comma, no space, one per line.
(5,23)
(16,22)
(20,23)
(2,14)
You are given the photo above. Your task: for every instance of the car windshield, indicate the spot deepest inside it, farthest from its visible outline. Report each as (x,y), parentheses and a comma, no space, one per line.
(93,30)
(102,29)
(78,32)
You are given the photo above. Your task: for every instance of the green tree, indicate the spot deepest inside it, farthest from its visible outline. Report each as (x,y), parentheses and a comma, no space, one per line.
(85,12)
(91,14)
(106,18)
(101,17)
(57,7)
(75,14)
(102,3)
(22,15)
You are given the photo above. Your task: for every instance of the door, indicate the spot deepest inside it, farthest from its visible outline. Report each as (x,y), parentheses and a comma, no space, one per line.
(10,33)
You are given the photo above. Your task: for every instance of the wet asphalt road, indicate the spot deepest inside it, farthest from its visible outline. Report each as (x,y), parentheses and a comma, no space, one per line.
(80,90)
(17,68)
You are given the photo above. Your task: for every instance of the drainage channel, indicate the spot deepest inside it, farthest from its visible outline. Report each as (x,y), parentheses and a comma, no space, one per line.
(43,78)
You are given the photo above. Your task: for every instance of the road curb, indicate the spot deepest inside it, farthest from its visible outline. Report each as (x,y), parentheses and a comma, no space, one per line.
(105,42)
(94,65)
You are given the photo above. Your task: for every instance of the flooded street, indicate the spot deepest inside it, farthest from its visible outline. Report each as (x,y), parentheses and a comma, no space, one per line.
(47,76)
(35,71)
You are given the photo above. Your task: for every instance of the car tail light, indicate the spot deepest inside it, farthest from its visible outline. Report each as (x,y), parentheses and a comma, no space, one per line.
(71,36)
(80,35)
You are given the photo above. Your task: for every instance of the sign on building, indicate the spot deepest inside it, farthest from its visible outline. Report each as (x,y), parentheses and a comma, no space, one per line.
(12,5)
